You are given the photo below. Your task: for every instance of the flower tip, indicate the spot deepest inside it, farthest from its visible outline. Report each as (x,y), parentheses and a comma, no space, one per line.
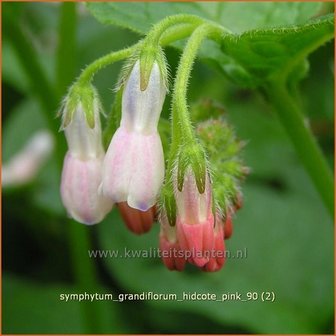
(141,206)
(84,219)
(171,254)
(213,266)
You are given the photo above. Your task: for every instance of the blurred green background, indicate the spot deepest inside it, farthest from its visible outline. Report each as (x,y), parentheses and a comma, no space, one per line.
(283,225)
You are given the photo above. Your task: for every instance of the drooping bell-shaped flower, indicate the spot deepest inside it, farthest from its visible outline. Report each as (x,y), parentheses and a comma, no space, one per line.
(82,169)
(195,220)
(171,253)
(133,168)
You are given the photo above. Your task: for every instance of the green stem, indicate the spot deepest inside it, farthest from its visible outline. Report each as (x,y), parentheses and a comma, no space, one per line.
(303,140)
(66,52)
(154,36)
(85,276)
(176,33)
(88,73)
(181,124)
(84,270)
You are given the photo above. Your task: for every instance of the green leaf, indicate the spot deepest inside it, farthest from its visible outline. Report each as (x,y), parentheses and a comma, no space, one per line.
(275,52)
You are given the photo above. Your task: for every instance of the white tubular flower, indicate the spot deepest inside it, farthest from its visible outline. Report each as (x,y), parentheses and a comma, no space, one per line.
(133,169)
(82,169)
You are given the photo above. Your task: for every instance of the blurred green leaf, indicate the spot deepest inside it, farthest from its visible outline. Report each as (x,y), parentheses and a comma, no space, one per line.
(39,308)
(12,72)
(35,308)
(38,22)
(26,119)
(235,16)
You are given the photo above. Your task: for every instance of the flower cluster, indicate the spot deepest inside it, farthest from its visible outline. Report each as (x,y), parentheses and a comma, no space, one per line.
(202,219)
(131,173)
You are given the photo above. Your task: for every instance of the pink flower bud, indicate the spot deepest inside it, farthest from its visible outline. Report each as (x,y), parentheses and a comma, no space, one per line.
(133,168)
(195,221)
(137,221)
(171,252)
(79,190)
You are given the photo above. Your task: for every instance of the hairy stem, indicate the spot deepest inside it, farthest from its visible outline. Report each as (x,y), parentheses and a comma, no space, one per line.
(154,35)
(181,124)
(88,73)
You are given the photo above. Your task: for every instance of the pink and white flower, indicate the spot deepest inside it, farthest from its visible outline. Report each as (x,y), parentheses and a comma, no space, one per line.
(195,220)
(133,169)
(82,169)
